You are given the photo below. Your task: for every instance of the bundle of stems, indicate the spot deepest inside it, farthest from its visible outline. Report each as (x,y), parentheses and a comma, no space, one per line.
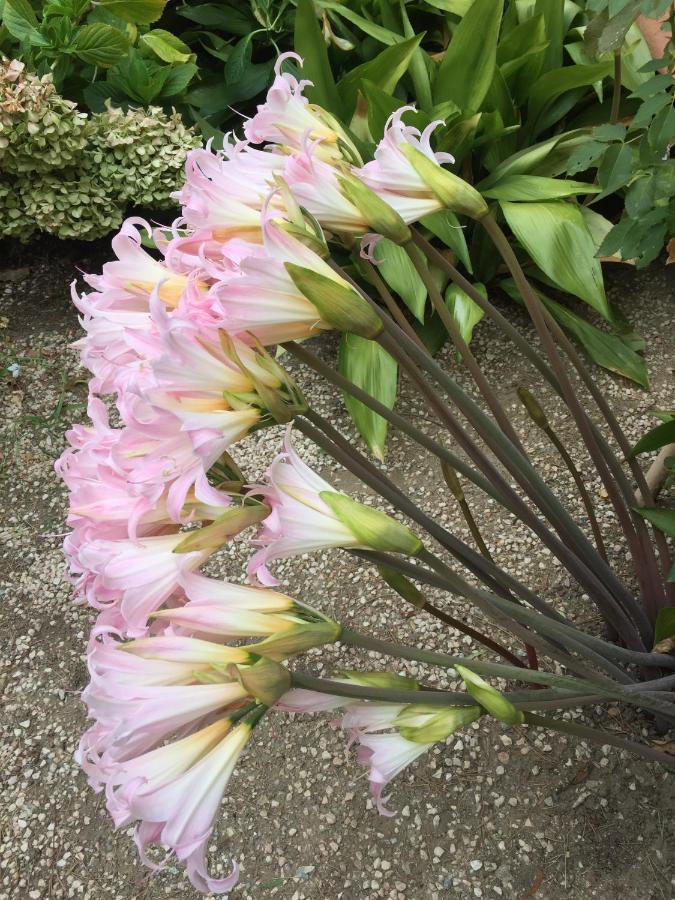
(621,665)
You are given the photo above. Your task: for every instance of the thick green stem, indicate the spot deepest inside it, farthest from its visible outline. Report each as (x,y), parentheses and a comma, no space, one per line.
(645,572)
(530,353)
(572,547)
(463,349)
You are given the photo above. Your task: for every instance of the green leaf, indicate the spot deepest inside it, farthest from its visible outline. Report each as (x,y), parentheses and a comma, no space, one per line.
(555,235)
(177,79)
(535,187)
(138,12)
(446,226)
(548,87)
(309,43)
(383,35)
(663,519)
(639,241)
(468,64)
(371,368)
(656,438)
(231,19)
(665,624)
(615,169)
(20,20)
(465,311)
(166,46)
(385,71)
(528,159)
(381,105)
(606,33)
(397,270)
(100,45)
(605,349)
(553,12)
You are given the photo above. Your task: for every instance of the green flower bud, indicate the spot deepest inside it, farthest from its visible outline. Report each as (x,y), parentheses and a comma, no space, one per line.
(490,698)
(266,680)
(372,528)
(379,215)
(442,723)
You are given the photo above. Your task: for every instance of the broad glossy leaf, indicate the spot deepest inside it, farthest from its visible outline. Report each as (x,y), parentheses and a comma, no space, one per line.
(663,519)
(385,71)
(309,43)
(447,228)
(553,13)
(555,235)
(398,272)
(166,46)
(233,20)
(178,78)
(465,311)
(100,45)
(139,12)
(371,368)
(534,187)
(656,438)
(383,35)
(20,20)
(550,86)
(615,169)
(528,159)
(605,349)
(468,64)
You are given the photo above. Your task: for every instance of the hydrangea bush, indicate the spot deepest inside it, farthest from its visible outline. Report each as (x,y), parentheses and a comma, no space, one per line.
(182,665)
(73,175)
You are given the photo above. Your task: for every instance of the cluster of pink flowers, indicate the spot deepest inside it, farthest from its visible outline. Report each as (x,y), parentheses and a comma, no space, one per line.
(176,340)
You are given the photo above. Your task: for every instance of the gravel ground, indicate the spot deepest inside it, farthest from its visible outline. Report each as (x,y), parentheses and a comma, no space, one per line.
(492,813)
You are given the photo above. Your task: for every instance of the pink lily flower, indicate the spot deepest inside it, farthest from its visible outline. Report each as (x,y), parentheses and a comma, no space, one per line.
(138,575)
(225,194)
(392,175)
(177,807)
(309,515)
(230,610)
(287,117)
(386,755)
(264,301)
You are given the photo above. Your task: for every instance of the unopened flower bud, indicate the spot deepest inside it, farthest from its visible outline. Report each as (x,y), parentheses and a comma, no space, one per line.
(371,527)
(490,698)
(266,680)
(377,213)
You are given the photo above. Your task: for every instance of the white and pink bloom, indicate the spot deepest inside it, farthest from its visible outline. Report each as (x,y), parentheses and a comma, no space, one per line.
(136,575)
(391,174)
(309,515)
(175,791)
(265,301)
(288,118)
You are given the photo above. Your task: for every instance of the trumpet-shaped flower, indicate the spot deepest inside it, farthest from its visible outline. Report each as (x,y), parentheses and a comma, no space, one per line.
(386,755)
(393,177)
(309,515)
(224,195)
(288,118)
(138,575)
(265,301)
(179,797)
